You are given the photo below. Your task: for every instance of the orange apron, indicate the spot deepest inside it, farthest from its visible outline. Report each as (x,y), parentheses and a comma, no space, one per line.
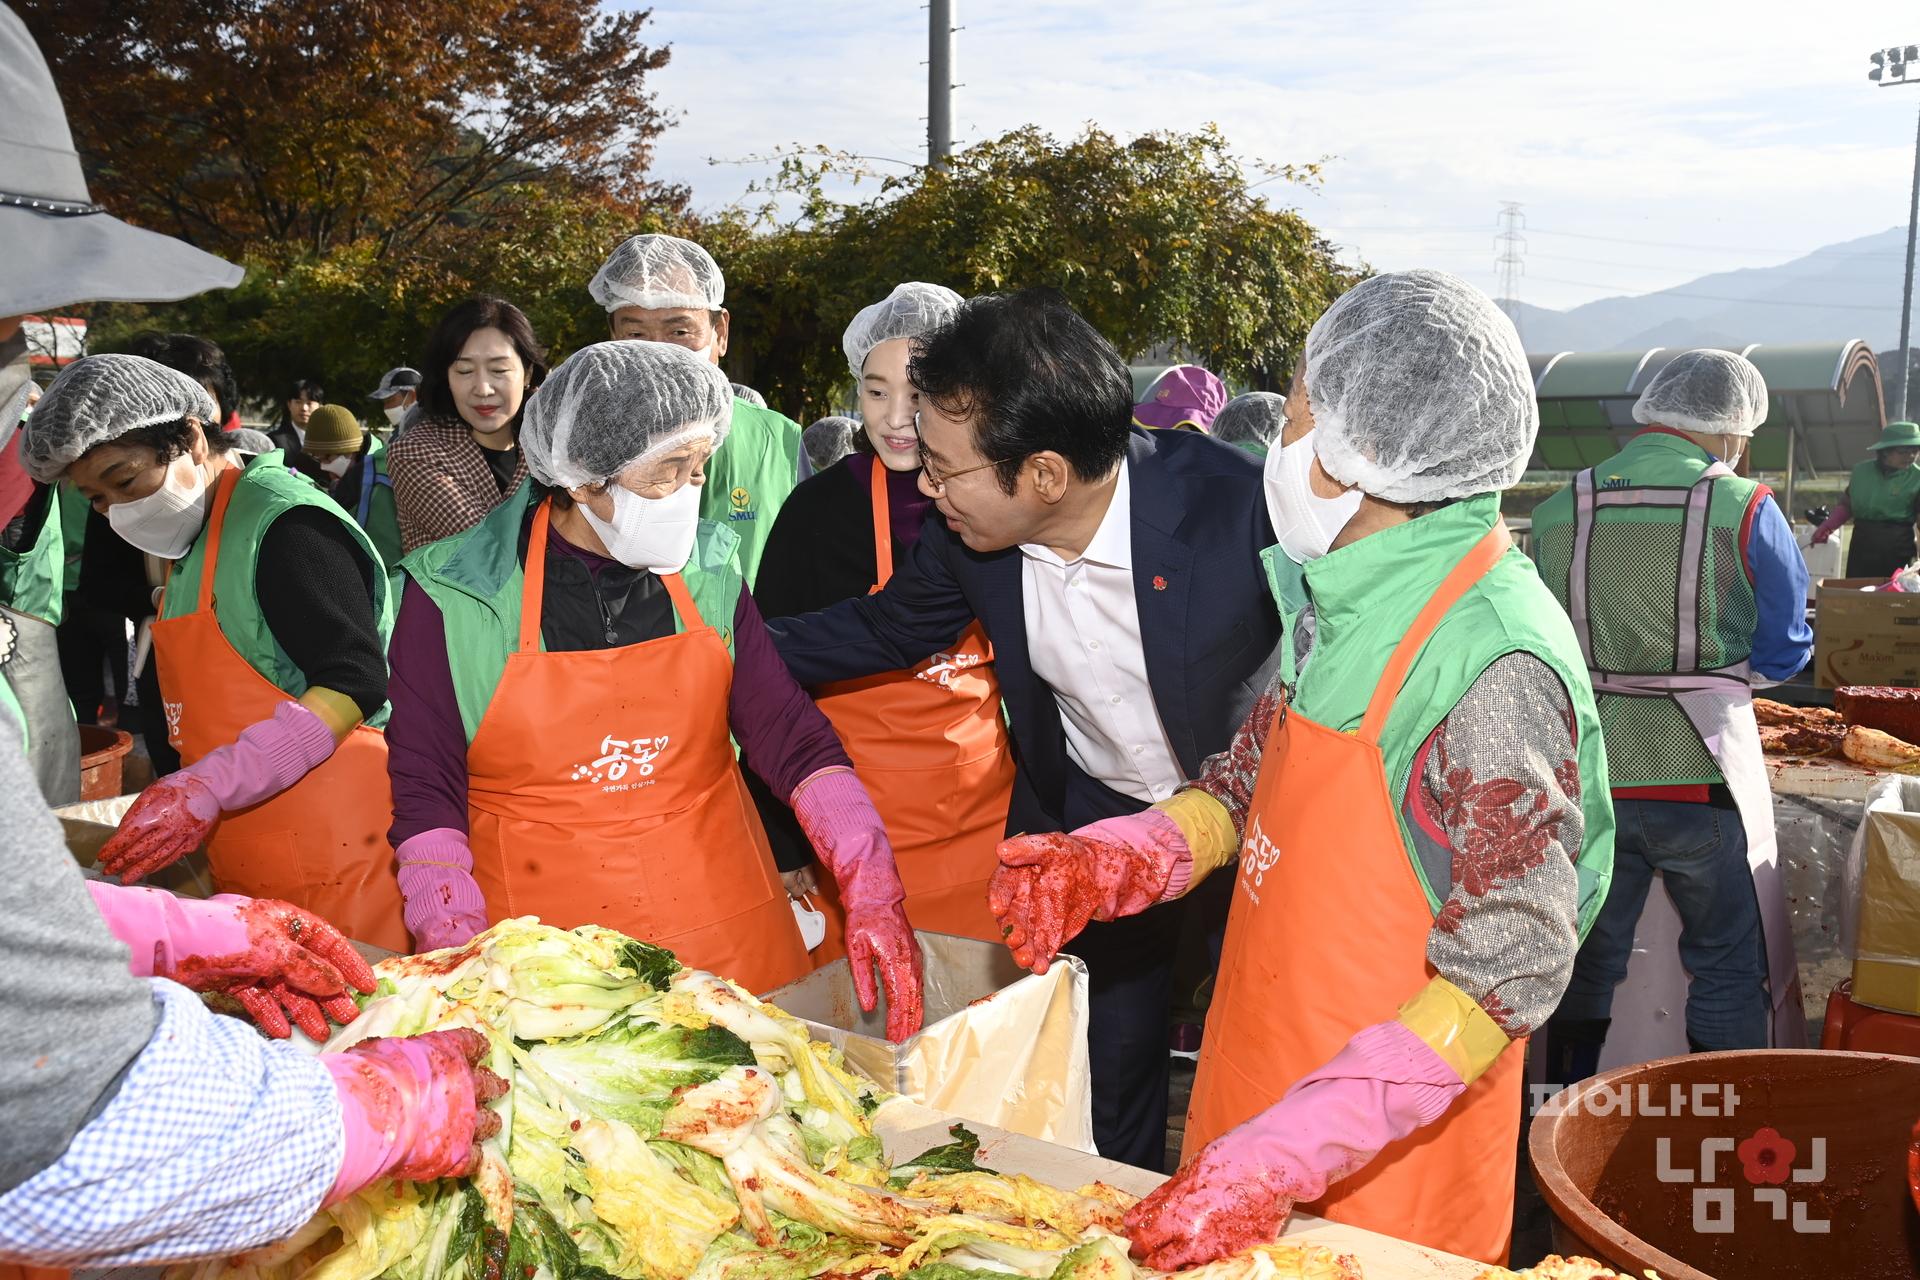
(931,747)
(320,844)
(1328,934)
(602,788)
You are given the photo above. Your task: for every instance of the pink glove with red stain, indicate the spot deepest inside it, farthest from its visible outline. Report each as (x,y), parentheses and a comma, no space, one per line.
(1840,514)
(173,817)
(443,906)
(284,965)
(413,1108)
(1238,1192)
(851,841)
(1047,887)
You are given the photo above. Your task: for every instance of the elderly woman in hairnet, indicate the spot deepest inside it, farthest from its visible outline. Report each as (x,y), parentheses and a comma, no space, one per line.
(1420,821)
(568,679)
(928,741)
(271,646)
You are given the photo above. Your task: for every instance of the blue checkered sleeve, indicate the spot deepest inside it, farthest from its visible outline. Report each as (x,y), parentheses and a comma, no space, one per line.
(218,1140)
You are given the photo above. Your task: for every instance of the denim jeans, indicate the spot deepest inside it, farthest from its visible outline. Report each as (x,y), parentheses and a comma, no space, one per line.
(1700,852)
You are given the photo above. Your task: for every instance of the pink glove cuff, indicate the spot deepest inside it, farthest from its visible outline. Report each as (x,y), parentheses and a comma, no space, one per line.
(1415,1083)
(1150,829)
(268,757)
(159,928)
(845,830)
(442,905)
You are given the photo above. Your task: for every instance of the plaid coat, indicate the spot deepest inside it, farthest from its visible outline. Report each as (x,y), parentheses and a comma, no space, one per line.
(441,481)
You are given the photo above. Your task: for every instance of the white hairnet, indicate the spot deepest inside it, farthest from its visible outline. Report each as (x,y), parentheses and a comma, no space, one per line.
(1253,418)
(101,398)
(742,391)
(1714,392)
(247,440)
(613,404)
(910,310)
(657,272)
(1420,390)
(828,440)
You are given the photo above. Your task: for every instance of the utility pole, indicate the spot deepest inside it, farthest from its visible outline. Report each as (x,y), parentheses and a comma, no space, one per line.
(1511,248)
(1889,69)
(940,31)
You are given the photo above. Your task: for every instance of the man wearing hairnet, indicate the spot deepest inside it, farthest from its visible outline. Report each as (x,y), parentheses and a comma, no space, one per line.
(139,1126)
(1686,588)
(1251,421)
(659,288)
(1417,821)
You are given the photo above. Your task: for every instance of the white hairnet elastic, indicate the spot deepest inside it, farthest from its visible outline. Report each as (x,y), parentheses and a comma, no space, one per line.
(828,440)
(101,398)
(1253,418)
(1714,392)
(741,391)
(613,404)
(1420,390)
(910,310)
(657,272)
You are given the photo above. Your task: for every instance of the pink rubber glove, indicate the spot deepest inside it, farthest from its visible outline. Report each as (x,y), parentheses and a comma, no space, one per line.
(173,816)
(851,841)
(1840,514)
(443,907)
(1048,887)
(414,1108)
(1239,1190)
(287,967)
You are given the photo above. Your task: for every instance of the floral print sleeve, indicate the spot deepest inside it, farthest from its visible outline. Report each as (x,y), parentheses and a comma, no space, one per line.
(1496,820)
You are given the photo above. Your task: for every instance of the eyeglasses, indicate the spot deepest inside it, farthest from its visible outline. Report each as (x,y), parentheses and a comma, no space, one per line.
(937,481)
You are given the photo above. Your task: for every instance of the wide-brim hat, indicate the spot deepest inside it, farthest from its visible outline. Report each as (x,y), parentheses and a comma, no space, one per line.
(394,382)
(1898,435)
(61,247)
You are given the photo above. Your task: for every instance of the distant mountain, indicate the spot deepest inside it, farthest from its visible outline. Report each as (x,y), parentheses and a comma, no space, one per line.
(1849,290)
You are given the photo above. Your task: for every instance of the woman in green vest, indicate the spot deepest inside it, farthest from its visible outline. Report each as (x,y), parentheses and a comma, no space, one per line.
(271,645)
(1418,819)
(1881,500)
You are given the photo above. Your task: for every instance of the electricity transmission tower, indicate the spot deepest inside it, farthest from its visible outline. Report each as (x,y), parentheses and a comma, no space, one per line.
(1510,252)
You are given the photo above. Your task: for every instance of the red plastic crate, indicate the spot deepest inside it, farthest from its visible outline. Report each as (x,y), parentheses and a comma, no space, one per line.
(1865,1030)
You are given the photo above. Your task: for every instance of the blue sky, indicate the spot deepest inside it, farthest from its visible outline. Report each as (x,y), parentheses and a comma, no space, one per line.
(1648,142)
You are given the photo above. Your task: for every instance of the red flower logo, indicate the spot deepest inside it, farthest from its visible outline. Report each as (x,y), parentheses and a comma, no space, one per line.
(1767,1157)
(1159,583)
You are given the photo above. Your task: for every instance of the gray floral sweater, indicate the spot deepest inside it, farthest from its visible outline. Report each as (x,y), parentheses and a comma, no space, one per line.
(1494,810)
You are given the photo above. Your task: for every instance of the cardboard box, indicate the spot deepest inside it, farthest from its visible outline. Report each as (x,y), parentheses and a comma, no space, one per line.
(1865,637)
(1884,882)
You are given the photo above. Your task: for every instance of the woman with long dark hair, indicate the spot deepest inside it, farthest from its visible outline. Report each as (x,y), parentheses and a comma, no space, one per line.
(463,456)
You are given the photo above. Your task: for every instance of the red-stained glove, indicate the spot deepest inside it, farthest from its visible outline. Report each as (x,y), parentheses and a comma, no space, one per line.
(287,967)
(850,840)
(413,1108)
(1047,887)
(1913,1167)
(173,817)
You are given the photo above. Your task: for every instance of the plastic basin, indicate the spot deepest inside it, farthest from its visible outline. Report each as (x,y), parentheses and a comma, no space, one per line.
(1723,1166)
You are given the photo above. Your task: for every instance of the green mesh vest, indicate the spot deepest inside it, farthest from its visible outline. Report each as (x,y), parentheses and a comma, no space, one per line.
(476,579)
(33,580)
(265,491)
(749,479)
(1661,529)
(1365,598)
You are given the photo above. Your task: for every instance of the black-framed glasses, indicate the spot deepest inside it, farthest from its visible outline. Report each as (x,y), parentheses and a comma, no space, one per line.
(935,479)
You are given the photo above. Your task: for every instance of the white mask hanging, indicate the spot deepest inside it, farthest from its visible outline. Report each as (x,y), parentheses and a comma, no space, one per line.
(1305,522)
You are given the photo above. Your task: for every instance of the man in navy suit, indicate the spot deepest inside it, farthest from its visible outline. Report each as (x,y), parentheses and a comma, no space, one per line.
(1117,573)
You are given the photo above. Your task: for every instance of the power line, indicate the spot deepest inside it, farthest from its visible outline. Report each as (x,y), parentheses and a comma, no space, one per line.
(1657,244)
(1712,297)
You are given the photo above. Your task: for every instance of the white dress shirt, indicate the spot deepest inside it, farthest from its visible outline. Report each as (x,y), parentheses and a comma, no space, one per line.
(1083,636)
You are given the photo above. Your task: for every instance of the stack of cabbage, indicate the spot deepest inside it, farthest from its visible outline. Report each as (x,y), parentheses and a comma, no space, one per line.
(665,1125)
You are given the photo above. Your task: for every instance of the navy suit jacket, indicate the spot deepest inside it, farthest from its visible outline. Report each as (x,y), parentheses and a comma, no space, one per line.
(1207,622)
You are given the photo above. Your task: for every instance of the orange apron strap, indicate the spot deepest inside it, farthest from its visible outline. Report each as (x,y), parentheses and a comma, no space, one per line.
(683,601)
(216,523)
(533,592)
(882,528)
(1472,567)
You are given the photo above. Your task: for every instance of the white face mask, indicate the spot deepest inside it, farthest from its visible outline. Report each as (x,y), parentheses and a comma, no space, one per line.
(336,467)
(655,534)
(166,521)
(812,922)
(1306,523)
(396,414)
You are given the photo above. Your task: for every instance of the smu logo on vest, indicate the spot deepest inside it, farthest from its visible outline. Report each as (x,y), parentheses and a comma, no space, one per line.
(1258,853)
(620,757)
(742,503)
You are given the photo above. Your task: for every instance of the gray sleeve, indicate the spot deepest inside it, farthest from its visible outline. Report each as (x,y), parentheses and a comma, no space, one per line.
(73,1016)
(1500,790)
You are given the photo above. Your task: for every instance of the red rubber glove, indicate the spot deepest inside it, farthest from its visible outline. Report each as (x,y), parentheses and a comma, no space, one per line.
(1048,887)
(1913,1166)
(169,821)
(413,1108)
(850,840)
(287,967)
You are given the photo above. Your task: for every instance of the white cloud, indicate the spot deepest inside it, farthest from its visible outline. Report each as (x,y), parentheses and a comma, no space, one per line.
(1750,128)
